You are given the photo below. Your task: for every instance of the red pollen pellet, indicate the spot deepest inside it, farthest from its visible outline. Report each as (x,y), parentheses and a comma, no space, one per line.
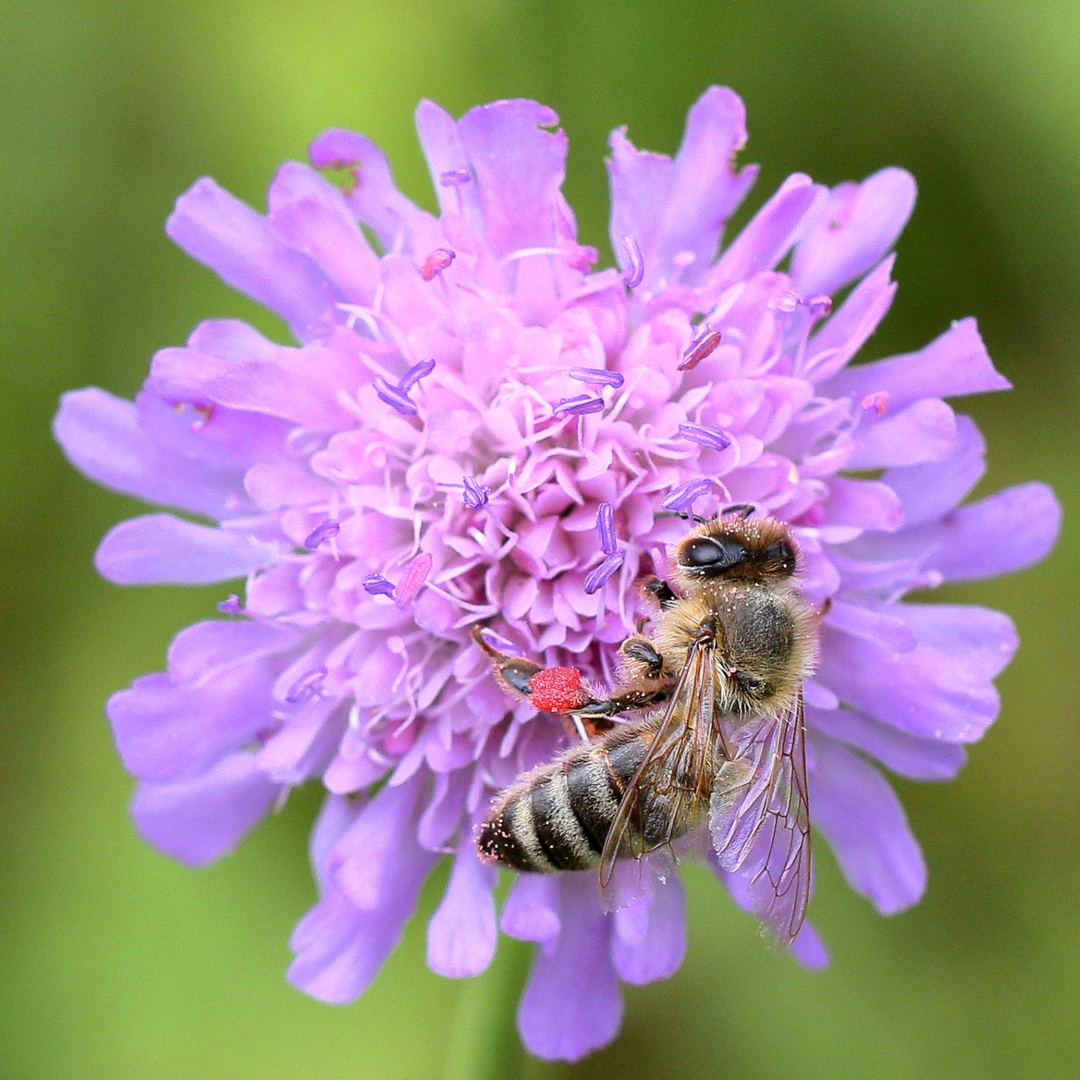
(557,689)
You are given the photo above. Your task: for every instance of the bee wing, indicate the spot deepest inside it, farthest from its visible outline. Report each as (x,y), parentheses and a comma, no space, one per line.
(673,775)
(759,818)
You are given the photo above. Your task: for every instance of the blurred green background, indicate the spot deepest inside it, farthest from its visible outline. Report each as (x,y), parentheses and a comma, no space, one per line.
(117,963)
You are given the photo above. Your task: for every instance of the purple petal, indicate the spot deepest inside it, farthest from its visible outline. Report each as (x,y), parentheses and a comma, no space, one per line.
(928,491)
(519,169)
(374,198)
(865,504)
(239,245)
(571,1004)
(461,934)
(771,232)
(166,732)
(207,649)
(446,157)
(983,639)
(102,436)
(954,363)
(160,549)
(924,431)
(531,911)
(997,535)
(857,811)
(199,820)
(860,224)
(904,754)
(925,692)
(809,949)
(649,942)
(311,216)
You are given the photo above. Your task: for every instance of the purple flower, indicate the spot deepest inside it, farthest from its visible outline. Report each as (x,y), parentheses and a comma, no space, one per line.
(424,460)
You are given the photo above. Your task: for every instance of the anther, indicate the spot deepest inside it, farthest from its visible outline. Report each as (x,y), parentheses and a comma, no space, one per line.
(308,685)
(878,401)
(413,581)
(684,496)
(436,263)
(475,494)
(455,177)
(321,533)
(393,396)
(230,605)
(377,585)
(597,577)
(705,436)
(579,406)
(605,526)
(415,374)
(596,375)
(702,346)
(635,272)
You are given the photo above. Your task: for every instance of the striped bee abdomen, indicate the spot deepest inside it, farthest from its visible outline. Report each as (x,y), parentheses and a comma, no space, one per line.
(558,816)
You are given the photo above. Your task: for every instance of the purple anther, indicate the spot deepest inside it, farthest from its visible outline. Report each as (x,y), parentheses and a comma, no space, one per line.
(377,585)
(605,526)
(596,375)
(413,581)
(684,496)
(308,685)
(596,578)
(321,533)
(455,177)
(231,605)
(476,494)
(635,273)
(580,405)
(702,346)
(393,396)
(819,306)
(415,374)
(705,436)
(436,263)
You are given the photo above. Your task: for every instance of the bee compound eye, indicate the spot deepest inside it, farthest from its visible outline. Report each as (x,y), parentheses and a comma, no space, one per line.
(713,553)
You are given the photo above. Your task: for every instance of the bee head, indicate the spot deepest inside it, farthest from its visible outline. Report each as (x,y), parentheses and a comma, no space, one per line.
(736,548)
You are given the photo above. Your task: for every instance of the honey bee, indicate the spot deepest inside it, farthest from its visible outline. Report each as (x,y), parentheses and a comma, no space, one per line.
(722,741)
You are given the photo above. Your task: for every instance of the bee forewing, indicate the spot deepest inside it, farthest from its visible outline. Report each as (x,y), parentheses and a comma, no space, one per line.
(759,819)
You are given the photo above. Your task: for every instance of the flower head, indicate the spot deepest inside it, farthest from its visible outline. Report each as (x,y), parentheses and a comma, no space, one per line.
(477,427)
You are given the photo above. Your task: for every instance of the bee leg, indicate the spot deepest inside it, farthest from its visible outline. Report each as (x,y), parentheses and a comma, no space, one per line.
(641,659)
(547,689)
(660,591)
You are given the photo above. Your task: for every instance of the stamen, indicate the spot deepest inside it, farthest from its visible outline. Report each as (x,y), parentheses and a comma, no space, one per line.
(605,526)
(596,375)
(377,585)
(579,405)
(878,401)
(635,273)
(476,494)
(702,346)
(684,496)
(415,575)
(785,300)
(455,177)
(230,605)
(705,436)
(415,374)
(393,396)
(819,306)
(308,685)
(596,578)
(204,411)
(321,533)
(436,263)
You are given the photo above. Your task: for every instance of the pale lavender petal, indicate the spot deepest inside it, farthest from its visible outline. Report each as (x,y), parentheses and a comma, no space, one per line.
(954,363)
(860,224)
(519,169)
(311,215)
(924,431)
(983,639)
(238,244)
(461,933)
(207,649)
(199,820)
(858,812)
(649,942)
(865,504)
(445,156)
(771,231)
(572,1005)
(373,197)
(159,549)
(102,436)
(809,949)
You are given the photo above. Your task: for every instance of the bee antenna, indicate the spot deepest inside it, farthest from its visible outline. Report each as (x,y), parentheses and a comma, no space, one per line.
(684,515)
(744,510)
